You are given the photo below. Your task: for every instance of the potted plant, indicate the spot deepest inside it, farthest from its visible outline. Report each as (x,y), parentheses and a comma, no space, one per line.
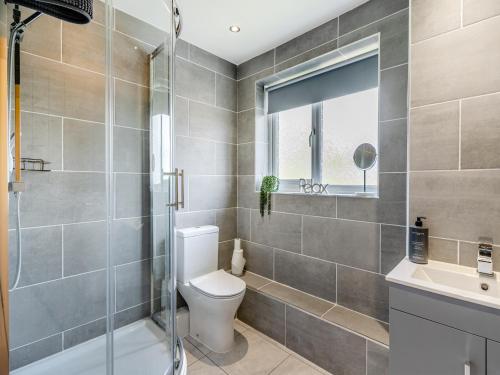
(270,184)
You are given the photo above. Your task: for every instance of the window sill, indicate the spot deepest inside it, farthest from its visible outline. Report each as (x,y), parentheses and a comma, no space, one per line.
(332,195)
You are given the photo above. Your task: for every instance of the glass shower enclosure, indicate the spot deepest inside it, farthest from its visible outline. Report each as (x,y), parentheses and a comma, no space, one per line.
(91,232)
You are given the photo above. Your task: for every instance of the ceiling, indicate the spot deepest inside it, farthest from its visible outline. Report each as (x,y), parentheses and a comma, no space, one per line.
(264,24)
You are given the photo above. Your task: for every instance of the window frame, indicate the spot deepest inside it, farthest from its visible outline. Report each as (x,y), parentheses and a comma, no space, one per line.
(316,149)
(315,146)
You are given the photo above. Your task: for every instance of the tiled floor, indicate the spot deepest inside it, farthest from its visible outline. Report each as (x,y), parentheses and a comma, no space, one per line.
(253,354)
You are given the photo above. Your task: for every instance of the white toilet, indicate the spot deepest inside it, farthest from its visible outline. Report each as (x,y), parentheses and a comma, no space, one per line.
(212,295)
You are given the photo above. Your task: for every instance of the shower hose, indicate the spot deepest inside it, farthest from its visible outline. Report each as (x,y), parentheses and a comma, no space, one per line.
(19,244)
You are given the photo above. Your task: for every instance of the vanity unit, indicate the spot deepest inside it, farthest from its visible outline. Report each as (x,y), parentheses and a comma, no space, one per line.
(445,320)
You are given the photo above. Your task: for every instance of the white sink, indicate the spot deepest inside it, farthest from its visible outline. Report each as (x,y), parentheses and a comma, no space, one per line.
(463,283)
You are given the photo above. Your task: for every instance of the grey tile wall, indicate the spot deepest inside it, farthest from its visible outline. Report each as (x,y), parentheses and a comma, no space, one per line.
(454,130)
(324,234)
(264,313)
(334,349)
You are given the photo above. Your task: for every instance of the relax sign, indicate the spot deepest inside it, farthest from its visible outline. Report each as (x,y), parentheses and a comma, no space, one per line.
(308,188)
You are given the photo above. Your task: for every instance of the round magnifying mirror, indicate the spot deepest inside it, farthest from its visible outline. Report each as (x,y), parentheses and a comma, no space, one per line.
(365,156)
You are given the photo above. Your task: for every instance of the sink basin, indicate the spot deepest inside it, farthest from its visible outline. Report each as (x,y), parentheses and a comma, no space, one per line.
(463,283)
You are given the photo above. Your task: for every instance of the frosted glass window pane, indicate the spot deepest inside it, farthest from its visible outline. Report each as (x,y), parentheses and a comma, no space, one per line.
(349,121)
(294,154)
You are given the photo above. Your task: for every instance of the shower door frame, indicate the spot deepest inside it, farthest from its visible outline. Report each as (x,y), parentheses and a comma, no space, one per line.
(4,203)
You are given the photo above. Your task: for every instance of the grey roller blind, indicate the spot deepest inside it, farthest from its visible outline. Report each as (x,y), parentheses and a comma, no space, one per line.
(348,79)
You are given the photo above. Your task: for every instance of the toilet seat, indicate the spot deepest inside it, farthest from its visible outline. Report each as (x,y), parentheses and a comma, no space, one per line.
(219,284)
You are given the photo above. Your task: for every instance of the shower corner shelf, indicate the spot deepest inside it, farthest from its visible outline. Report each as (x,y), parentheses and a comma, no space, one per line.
(34,165)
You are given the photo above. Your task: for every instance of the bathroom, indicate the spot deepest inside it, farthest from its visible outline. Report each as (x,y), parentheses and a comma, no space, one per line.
(232,187)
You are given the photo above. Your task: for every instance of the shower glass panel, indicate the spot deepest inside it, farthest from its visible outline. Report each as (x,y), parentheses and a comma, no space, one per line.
(94,293)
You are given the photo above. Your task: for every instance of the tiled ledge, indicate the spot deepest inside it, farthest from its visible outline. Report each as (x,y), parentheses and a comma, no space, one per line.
(337,315)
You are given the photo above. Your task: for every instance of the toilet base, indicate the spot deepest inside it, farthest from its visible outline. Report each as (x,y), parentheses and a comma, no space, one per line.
(211,320)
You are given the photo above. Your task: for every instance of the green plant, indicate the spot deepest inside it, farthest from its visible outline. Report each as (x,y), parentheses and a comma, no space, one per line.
(269,185)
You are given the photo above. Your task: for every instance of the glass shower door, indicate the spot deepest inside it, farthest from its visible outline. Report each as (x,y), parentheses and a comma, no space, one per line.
(142,149)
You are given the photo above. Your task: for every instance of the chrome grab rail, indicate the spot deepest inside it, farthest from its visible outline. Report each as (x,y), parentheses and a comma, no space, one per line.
(177,174)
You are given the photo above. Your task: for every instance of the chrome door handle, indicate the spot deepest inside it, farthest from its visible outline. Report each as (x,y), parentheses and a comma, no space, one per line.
(467,368)
(176,174)
(181,202)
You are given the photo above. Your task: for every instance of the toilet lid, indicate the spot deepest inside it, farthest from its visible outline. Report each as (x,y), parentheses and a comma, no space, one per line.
(219,284)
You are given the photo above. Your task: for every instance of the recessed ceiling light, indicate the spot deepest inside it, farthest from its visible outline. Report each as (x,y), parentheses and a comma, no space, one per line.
(234,29)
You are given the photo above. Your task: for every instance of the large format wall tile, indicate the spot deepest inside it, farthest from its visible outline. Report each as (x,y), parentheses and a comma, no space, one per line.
(282,231)
(35,351)
(313,38)
(131,150)
(377,359)
(133,282)
(244,215)
(226,221)
(475,11)
(132,197)
(83,298)
(393,38)
(307,274)
(41,255)
(35,312)
(460,72)
(394,93)
(194,82)
(226,159)
(247,195)
(392,247)
(84,46)
(362,291)
(334,349)
(67,198)
(388,208)
(256,64)
(369,12)
(347,242)
(443,250)
(131,105)
(212,192)
(259,259)
(46,89)
(80,334)
(195,219)
(131,240)
(263,313)
(84,247)
(308,55)
(431,18)
(195,156)
(84,146)
(225,92)
(38,33)
(42,138)
(212,123)
(131,59)
(481,132)
(461,205)
(246,159)
(314,205)
(138,29)
(393,152)
(247,90)
(210,61)
(434,137)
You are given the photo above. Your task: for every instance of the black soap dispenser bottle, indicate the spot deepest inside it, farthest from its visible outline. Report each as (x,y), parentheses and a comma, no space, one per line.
(419,242)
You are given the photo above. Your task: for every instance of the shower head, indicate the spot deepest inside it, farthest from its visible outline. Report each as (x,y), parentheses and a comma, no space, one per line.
(75,11)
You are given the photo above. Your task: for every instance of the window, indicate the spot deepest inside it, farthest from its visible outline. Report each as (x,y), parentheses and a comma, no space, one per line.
(317,122)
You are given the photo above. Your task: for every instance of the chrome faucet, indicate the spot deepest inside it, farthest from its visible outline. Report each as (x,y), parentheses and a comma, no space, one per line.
(484,258)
